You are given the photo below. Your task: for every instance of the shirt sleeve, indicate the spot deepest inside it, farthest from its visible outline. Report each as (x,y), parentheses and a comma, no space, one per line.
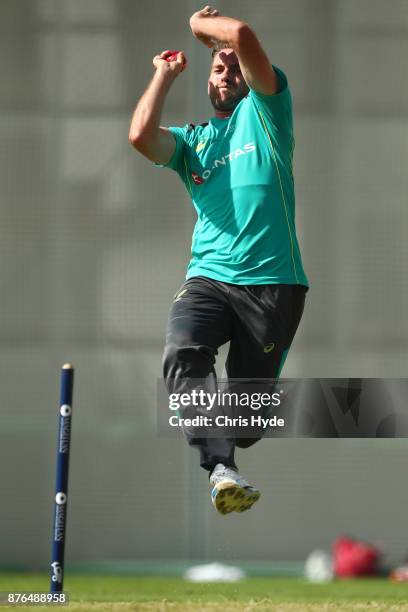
(176,162)
(276,108)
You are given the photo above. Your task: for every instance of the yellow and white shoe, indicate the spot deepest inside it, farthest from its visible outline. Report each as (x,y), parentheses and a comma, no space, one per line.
(230,492)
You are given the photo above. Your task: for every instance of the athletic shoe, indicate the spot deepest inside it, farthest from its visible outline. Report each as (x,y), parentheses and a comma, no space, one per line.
(230,492)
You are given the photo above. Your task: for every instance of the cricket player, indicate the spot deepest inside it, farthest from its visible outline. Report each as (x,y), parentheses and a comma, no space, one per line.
(245,282)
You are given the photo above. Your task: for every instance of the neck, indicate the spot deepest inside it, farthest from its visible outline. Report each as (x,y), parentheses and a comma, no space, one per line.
(222,114)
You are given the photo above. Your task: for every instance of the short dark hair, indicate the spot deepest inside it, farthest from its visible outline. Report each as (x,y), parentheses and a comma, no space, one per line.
(218,47)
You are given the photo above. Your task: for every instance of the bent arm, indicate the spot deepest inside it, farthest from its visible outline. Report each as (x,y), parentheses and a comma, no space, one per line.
(208,26)
(146,135)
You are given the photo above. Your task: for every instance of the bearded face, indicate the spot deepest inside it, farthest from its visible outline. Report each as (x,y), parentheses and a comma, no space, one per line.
(226,85)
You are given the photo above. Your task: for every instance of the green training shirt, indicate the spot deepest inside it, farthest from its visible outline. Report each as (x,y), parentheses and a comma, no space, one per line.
(238,172)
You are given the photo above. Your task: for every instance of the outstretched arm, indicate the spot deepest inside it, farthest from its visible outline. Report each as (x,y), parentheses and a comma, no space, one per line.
(146,135)
(209,27)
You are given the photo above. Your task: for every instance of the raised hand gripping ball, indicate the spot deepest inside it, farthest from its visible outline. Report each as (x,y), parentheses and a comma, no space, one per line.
(173,56)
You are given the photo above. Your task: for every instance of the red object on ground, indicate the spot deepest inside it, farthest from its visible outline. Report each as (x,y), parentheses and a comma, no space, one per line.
(353,558)
(173,57)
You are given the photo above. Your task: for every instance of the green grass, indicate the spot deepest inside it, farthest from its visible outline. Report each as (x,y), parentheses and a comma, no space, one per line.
(117,594)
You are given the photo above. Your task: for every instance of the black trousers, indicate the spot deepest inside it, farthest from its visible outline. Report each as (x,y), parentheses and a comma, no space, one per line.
(259,321)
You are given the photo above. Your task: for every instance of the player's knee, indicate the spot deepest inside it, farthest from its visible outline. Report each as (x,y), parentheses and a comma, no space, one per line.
(186,360)
(175,355)
(171,358)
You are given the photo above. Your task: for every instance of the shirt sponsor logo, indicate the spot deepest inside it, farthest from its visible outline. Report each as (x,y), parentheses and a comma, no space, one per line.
(197,179)
(226,159)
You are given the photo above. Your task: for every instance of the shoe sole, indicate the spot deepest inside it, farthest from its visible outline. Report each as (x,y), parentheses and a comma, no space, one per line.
(228,496)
